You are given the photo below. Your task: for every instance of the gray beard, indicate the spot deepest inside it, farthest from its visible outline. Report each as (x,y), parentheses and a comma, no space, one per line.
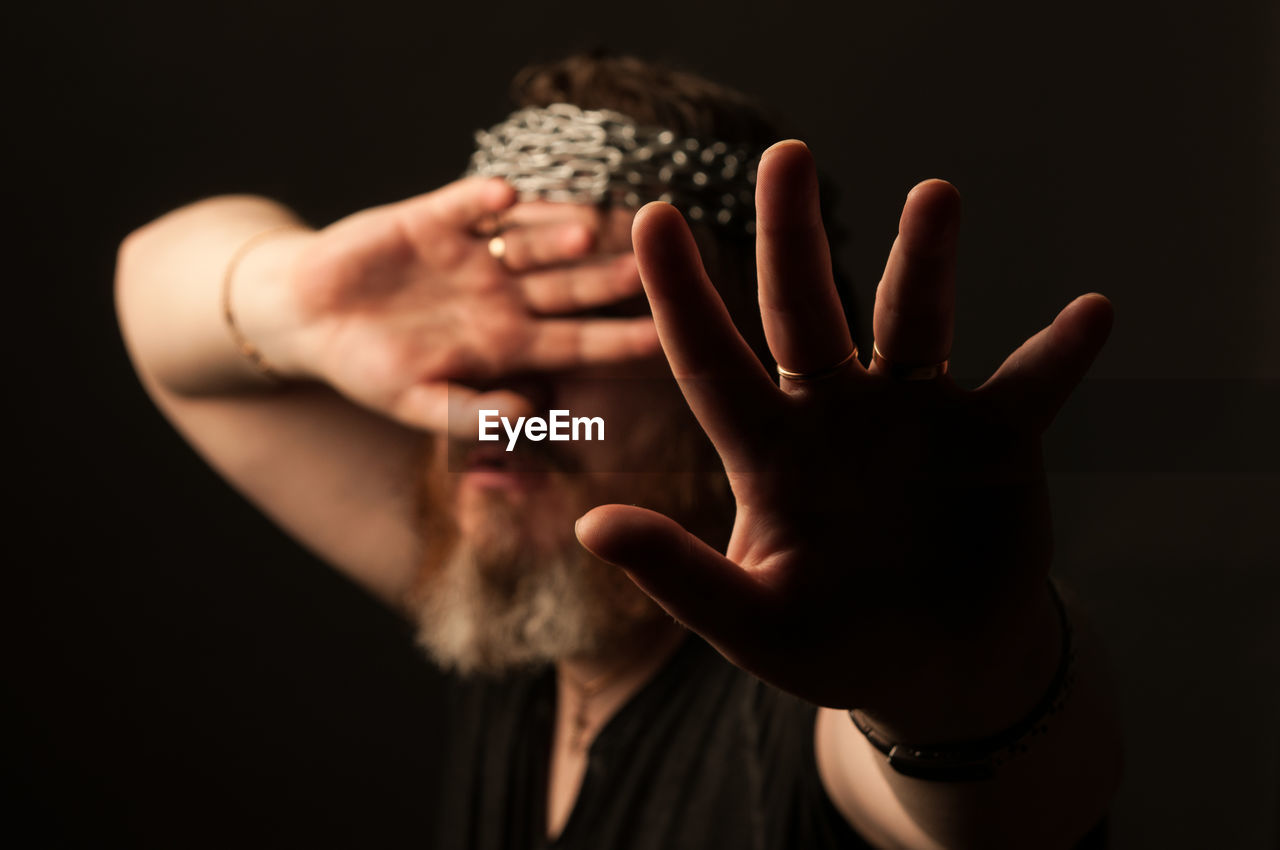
(502,604)
(471,623)
(505,596)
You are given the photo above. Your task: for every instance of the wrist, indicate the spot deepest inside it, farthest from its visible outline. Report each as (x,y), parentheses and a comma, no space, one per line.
(970,689)
(264,307)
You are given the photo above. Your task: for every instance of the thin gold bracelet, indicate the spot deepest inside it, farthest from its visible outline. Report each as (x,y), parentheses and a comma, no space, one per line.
(246,348)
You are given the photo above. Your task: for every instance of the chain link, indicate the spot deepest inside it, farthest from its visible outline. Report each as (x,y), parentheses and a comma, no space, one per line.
(566,154)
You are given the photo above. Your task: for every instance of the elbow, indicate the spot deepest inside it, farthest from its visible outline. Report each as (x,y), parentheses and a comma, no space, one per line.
(134,251)
(142,242)
(136,257)
(164,253)
(129,259)
(128,253)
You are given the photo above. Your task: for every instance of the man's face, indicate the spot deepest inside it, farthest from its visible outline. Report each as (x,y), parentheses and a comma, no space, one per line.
(504,581)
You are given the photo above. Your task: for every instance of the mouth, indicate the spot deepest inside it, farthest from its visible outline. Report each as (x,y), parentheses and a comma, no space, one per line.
(492,466)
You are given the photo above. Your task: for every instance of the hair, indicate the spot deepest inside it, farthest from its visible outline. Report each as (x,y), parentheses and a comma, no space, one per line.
(689,105)
(649,93)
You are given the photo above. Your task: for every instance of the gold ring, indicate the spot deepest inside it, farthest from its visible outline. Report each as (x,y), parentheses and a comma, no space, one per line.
(498,248)
(907,372)
(803,377)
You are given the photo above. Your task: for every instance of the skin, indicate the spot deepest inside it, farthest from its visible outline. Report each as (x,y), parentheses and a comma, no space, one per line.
(799,462)
(333,455)
(373,321)
(404,322)
(866,506)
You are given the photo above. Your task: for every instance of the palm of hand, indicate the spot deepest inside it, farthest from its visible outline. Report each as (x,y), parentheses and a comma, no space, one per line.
(880,522)
(885,516)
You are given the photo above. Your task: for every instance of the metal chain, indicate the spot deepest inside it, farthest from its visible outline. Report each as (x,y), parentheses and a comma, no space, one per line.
(571,155)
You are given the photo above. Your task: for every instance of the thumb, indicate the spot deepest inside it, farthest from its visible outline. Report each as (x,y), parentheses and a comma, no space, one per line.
(693,582)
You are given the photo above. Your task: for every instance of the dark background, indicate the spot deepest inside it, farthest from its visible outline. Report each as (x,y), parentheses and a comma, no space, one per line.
(179,673)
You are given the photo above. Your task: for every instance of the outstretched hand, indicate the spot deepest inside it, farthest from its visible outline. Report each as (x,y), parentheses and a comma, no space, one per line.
(887,530)
(406,310)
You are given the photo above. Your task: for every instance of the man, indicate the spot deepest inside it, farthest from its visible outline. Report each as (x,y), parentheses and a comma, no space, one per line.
(885,535)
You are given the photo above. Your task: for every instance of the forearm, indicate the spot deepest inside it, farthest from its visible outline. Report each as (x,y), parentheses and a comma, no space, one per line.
(1047,796)
(170,278)
(336,476)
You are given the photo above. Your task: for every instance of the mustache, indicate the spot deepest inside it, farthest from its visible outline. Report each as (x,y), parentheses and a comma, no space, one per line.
(528,455)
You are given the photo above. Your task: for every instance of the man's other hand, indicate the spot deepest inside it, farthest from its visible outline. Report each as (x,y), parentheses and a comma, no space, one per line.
(405,308)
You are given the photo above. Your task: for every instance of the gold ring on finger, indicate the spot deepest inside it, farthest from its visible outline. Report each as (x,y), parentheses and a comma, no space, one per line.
(498,249)
(818,374)
(907,371)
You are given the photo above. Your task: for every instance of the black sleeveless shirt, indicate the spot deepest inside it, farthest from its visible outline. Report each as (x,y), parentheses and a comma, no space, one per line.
(703,756)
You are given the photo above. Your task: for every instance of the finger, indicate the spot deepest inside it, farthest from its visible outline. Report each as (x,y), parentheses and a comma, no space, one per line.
(571,343)
(1036,380)
(726,387)
(915,301)
(691,581)
(529,213)
(459,205)
(444,407)
(583,286)
(527,248)
(803,320)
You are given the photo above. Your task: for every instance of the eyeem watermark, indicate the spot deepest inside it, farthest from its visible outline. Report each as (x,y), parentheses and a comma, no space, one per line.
(561,427)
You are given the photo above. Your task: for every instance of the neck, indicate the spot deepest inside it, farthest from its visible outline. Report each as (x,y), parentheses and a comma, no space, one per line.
(591,689)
